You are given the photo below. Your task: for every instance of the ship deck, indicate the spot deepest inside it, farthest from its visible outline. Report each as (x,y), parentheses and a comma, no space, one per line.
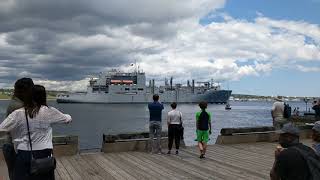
(237,161)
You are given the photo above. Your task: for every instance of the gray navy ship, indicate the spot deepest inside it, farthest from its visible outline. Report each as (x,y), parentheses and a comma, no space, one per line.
(120,87)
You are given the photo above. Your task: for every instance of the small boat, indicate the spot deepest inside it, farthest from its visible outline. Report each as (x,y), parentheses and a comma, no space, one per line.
(228,107)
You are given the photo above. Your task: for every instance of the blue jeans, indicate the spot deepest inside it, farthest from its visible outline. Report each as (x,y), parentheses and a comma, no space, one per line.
(155,131)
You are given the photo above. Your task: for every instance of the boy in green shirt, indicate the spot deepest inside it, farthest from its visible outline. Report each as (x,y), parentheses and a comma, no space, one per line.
(203,120)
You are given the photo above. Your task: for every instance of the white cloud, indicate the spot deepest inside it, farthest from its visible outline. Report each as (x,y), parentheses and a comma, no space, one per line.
(165,37)
(308,69)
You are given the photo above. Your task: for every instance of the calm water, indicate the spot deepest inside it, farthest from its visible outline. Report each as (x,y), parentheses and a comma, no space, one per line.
(91,121)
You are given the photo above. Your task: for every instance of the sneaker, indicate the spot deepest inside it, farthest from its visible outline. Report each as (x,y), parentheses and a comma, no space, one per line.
(201,156)
(177,152)
(169,152)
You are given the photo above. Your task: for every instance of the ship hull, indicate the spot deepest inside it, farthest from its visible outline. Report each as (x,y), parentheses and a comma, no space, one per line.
(217,96)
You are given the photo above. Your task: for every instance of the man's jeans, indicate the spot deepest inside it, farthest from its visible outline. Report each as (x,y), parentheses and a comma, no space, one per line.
(155,131)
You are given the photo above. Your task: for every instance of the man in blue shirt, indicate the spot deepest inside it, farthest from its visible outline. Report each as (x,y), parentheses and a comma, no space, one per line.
(155,109)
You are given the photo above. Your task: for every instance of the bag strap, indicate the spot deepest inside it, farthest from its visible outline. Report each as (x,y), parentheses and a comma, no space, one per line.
(28,131)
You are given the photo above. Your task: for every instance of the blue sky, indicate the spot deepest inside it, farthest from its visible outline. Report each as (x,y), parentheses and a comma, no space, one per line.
(288,82)
(298,10)
(262,47)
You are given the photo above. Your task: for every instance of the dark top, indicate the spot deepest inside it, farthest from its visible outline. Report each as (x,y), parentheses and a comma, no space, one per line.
(316,108)
(14,104)
(203,121)
(290,164)
(155,109)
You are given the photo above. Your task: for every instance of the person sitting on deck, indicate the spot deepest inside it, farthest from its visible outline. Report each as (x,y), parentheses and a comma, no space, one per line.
(289,157)
(316,108)
(316,137)
(203,123)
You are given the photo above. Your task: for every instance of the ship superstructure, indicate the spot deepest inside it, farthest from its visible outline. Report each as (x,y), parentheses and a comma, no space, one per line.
(120,87)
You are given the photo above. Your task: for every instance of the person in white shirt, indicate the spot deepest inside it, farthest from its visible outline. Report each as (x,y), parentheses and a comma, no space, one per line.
(40,118)
(174,121)
(277,113)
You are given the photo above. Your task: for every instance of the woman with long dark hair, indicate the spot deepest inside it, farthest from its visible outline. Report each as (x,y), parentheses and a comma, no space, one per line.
(22,91)
(40,117)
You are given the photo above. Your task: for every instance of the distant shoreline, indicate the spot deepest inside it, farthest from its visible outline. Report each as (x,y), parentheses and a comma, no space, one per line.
(7,99)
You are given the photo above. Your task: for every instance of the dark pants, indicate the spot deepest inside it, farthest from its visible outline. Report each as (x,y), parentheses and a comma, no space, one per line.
(22,165)
(10,157)
(174,133)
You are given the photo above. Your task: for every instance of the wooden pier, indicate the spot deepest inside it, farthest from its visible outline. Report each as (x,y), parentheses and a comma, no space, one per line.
(233,161)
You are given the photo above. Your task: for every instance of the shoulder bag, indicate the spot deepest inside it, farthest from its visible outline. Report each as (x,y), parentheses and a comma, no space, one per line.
(41,165)
(181,128)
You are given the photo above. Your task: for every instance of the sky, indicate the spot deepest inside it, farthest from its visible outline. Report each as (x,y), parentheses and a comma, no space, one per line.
(264,47)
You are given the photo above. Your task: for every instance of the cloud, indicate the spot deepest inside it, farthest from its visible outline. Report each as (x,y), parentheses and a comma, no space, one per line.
(308,69)
(61,43)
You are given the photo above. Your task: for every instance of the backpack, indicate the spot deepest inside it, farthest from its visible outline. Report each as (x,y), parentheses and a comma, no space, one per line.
(313,162)
(203,121)
(287,111)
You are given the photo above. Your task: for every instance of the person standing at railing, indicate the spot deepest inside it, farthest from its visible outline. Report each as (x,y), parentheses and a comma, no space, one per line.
(277,113)
(203,124)
(155,126)
(31,131)
(22,91)
(174,121)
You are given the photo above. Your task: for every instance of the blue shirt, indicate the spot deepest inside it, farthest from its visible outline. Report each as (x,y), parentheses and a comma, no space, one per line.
(155,109)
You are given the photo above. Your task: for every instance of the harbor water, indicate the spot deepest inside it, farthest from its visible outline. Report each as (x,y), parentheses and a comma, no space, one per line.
(91,121)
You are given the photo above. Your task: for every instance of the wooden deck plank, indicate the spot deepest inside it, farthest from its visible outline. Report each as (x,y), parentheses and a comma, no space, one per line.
(57,175)
(110,168)
(159,171)
(100,172)
(246,162)
(229,162)
(223,171)
(171,167)
(242,156)
(228,152)
(79,167)
(62,171)
(141,166)
(184,168)
(114,163)
(127,166)
(69,168)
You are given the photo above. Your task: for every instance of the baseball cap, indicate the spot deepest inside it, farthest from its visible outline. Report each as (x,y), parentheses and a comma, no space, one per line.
(289,128)
(316,126)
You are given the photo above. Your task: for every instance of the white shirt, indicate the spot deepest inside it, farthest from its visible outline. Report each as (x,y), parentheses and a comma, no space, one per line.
(40,127)
(277,109)
(174,117)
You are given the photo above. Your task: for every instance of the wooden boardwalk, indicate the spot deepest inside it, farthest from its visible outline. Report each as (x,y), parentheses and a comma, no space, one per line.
(237,161)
